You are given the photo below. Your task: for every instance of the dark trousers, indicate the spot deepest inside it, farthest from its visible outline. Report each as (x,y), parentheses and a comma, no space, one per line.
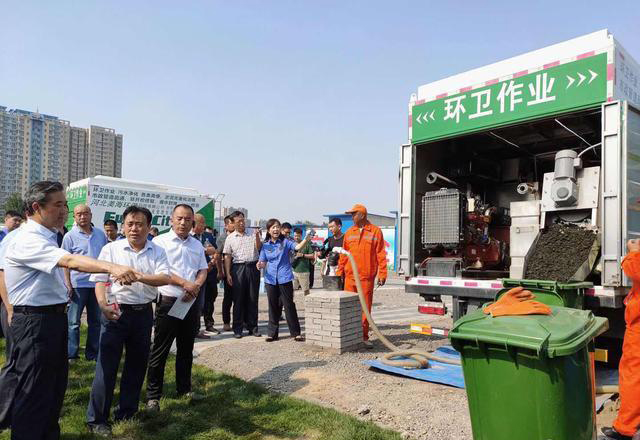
(246,287)
(312,273)
(4,322)
(167,328)
(282,293)
(84,297)
(210,296)
(227,302)
(132,331)
(34,380)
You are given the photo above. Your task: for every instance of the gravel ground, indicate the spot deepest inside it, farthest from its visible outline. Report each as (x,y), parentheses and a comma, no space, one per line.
(419,410)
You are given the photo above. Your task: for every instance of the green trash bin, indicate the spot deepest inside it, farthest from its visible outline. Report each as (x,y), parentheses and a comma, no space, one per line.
(552,293)
(529,377)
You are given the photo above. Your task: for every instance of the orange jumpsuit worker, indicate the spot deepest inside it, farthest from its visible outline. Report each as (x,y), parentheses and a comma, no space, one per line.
(365,242)
(628,422)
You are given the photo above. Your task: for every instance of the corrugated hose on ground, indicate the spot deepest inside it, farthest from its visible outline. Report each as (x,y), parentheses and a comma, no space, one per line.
(417,358)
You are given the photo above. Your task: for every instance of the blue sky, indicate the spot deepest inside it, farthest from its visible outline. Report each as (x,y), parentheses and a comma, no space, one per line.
(292,109)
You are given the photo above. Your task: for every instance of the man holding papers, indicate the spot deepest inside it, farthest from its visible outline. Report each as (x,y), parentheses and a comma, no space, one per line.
(177,316)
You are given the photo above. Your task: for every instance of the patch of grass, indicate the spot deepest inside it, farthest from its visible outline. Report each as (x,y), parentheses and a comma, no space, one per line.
(232,410)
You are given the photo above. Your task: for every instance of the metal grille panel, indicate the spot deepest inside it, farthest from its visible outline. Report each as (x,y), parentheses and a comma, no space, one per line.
(441,217)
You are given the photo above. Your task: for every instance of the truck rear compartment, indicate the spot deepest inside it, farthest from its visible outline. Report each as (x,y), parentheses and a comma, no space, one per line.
(490,166)
(487,193)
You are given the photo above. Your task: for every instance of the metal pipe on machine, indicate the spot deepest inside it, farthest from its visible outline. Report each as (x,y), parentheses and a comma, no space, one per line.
(434,177)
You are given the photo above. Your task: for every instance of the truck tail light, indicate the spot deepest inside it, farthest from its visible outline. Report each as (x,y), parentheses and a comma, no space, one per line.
(433,308)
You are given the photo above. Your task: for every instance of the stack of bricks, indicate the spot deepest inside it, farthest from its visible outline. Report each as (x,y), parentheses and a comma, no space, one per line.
(333,320)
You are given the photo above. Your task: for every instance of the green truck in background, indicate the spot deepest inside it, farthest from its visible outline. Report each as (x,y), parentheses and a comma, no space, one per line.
(108,197)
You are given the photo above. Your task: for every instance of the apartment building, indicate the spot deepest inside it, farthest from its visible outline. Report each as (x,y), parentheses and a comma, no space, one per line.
(104,149)
(35,146)
(78,154)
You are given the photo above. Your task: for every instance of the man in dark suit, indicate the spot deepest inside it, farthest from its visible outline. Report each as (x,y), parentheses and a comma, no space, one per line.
(208,297)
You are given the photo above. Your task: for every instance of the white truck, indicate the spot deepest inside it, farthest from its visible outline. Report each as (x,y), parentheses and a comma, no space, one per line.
(108,197)
(499,153)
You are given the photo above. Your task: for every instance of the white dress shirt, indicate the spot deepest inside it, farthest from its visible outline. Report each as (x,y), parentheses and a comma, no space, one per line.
(186,259)
(31,271)
(150,260)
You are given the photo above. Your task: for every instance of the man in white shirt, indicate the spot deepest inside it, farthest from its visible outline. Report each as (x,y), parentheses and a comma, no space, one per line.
(111,229)
(241,250)
(128,320)
(188,267)
(34,380)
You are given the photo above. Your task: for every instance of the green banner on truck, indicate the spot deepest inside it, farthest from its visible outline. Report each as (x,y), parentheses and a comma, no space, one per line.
(566,87)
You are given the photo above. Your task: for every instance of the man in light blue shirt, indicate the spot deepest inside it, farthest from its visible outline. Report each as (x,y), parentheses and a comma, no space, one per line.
(6,307)
(12,221)
(83,239)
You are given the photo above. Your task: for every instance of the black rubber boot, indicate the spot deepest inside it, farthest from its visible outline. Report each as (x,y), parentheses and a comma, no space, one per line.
(612,434)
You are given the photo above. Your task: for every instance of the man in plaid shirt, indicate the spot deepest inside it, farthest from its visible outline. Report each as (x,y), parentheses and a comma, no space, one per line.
(241,250)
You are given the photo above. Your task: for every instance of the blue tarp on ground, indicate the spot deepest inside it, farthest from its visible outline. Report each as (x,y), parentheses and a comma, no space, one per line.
(437,372)
(452,374)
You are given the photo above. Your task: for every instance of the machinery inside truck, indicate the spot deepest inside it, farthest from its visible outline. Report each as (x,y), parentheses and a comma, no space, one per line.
(469,185)
(482,201)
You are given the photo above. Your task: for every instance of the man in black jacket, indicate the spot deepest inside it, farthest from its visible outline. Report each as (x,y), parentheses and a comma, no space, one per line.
(335,240)
(208,297)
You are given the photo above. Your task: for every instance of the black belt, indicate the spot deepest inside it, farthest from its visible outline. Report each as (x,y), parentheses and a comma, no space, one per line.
(55,308)
(167,299)
(134,307)
(246,264)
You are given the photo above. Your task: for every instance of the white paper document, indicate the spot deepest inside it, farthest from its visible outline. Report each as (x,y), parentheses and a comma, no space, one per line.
(180,308)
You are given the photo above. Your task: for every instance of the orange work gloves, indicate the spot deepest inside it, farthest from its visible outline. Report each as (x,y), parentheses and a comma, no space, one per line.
(517,301)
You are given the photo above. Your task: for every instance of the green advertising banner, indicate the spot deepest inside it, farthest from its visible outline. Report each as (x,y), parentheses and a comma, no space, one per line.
(566,87)
(108,203)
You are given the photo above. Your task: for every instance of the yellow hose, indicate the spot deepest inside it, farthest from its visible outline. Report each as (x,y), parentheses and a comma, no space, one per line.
(605,389)
(419,359)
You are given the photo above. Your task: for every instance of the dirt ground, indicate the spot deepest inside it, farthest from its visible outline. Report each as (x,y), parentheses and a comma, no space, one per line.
(419,410)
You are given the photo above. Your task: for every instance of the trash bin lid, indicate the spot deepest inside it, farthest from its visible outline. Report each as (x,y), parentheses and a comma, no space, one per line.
(552,286)
(549,292)
(562,333)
